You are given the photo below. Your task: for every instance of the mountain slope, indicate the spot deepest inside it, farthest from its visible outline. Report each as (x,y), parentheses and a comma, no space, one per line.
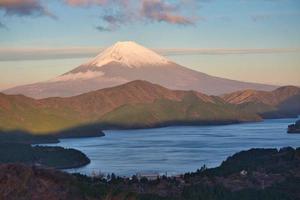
(133,105)
(271,98)
(24,113)
(166,112)
(125,62)
(284,101)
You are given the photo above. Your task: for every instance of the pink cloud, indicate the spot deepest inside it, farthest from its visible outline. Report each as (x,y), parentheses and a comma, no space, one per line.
(158,10)
(97,2)
(24,8)
(86,2)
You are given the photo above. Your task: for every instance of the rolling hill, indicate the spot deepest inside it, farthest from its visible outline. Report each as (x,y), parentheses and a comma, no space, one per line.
(138,104)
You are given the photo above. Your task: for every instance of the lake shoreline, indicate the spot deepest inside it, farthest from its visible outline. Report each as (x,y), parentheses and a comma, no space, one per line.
(272,174)
(177,149)
(107,127)
(96,129)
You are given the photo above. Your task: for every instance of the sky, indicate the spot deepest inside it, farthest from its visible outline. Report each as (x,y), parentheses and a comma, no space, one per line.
(248,40)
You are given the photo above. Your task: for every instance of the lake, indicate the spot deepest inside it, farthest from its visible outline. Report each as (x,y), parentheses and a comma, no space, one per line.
(177,149)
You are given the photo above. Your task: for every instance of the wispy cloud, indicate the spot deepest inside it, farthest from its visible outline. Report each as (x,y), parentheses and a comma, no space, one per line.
(270,15)
(15,54)
(225,51)
(103,29)
(2,26)
(19,54)
(86,2)
(24,8)
(117,13)
(114,13)
(114,21)
(158,10)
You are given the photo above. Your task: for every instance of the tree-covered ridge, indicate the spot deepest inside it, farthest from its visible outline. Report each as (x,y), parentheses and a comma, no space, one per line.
(282,102)
(259,174)
(138,104)
(23,137)
(56,157)
(294,128)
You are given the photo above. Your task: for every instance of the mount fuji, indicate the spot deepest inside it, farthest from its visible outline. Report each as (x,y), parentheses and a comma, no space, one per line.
(127,61)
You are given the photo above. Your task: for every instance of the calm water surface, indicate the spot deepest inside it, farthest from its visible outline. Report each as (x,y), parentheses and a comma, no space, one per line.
(177,149)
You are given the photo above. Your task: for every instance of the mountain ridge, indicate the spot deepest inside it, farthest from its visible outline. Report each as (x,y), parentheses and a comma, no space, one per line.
(137,104)
(281,102)
(272,98)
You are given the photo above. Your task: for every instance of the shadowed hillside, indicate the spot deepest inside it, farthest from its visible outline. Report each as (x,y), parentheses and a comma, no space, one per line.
(56,157)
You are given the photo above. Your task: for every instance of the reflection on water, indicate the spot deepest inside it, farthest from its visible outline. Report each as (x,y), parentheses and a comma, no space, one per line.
(177,149)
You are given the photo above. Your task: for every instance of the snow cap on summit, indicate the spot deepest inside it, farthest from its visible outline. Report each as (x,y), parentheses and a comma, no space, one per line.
(130,54)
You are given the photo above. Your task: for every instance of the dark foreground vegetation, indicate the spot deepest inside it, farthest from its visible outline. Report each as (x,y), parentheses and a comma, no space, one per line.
(26,138)
(55,157)
(23,137)
(294,128)
(255,174)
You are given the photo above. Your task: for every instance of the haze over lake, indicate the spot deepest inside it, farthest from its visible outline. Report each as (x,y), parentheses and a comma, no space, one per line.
(177,149)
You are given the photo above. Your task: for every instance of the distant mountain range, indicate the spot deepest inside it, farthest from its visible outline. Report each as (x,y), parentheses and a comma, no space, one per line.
(139,104)
(282,102)
(127,61)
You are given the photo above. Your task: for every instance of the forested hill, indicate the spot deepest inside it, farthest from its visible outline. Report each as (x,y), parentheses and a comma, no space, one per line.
(261,174)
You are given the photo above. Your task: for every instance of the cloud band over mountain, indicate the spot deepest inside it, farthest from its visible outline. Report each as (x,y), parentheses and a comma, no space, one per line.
(13,54)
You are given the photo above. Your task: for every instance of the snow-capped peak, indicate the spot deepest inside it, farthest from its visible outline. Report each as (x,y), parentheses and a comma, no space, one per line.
(130,54)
